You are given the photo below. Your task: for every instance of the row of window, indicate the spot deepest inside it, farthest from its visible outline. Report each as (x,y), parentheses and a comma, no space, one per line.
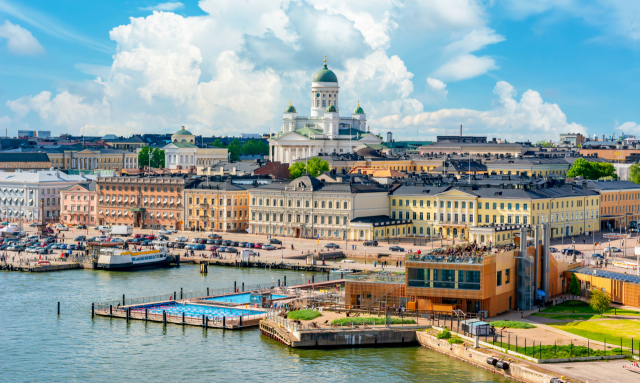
(205,201)
(323,204)
(273,217)
(72,197)
(236,213)
(444,279)
(623,197)
(140,188)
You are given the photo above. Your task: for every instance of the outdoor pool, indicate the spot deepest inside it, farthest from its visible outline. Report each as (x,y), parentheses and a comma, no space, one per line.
(195,311)
(239,298)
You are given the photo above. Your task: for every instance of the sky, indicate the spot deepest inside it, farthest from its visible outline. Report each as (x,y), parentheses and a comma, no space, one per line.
(512,69)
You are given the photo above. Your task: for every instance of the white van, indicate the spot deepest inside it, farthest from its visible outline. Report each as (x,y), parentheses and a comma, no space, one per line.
(103,229)
(122,230)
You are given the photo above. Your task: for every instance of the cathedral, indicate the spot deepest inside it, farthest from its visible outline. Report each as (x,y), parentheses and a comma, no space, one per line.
(324,131)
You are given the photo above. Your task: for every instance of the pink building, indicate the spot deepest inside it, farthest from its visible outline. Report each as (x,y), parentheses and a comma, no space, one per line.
(78,204)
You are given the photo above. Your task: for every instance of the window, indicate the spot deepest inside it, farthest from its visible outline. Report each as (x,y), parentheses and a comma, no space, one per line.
(507,276)
(501,206)
(399,202)
(421,203)
(495,206)
(509,206)
(499,279)
(393,202)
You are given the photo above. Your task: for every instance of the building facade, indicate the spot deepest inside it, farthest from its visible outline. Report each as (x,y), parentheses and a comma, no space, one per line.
(183,153)
(324,131)
(619,203)
(141,201)
(306,207)
(10,162)
(78,204)
(21,194)
(92,159)
(217,206)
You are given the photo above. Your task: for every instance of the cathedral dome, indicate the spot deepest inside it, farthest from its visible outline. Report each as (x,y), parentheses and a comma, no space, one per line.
(183,132)
(359,109)
(331,109)
(325,74)
(290,109)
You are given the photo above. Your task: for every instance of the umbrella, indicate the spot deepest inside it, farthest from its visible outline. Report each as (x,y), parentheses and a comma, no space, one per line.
(541,293)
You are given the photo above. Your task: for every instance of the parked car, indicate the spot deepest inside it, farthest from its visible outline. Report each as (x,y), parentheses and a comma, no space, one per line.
(33,224)
(137,236)
(61,227)
(80,238)
(179,245)
(211,241)
(163,238)
(571,252)
(257,245)
(553,249)
(234,243)
(268,247)
(396,248)
(214,236)
(250,245)
(226,242)
(599,256)
(275,241)
(218,242)
(199,247)
(181,239)
(213,248)
(612,249)
(81,227)
(146,242)
(331,246)
(163,231)
(150,237)
(71,247)
(32,249)
(243,244)
(370,243)
(228,250)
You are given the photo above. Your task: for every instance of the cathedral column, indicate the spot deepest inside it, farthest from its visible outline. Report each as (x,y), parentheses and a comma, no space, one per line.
(297,153)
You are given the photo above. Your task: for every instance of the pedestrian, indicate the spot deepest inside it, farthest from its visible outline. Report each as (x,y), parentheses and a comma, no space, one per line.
(375,264)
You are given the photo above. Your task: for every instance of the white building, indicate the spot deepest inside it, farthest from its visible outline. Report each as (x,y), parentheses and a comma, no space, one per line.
(183,153)
(21,193)
(324,131)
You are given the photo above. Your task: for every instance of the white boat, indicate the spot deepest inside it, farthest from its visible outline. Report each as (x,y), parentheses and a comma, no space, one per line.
(119,259)
(341,271)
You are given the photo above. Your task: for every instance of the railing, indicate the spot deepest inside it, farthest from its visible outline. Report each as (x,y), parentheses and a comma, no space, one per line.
(375,277)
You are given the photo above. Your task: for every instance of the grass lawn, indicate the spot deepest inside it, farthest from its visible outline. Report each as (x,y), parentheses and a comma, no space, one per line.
(580,307)
(601,330)
(511,324)
(569,317)
(370,321)
(303,315)
(557,351)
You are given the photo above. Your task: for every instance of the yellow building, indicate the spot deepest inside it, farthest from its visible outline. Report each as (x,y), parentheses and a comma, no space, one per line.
(530,166)
(450,212)
(217,206)
(91,159)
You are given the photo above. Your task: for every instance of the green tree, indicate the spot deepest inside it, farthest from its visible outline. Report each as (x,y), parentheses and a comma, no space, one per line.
(544,144)
(297,169)
(591,170)
(143,156)
(316,166)
(605,169)
(634,173)
(218,144)
(157,158)
(599,301)
(234,150)
(574,285)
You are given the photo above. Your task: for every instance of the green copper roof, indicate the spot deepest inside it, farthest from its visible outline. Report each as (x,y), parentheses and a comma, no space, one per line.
(184,144)
(331,109)
(290,109)
(325,75)
(358,110)
(183,132)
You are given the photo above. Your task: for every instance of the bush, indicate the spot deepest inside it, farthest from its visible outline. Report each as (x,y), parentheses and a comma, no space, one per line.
(511,324)
(370,321)
(444,334)
(303,315)
(599,301)
(455,340)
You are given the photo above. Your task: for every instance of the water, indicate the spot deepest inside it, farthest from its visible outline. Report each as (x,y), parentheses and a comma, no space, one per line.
(37,345)
(194,311)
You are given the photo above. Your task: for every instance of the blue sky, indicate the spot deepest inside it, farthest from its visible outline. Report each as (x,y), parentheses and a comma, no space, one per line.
(502,68)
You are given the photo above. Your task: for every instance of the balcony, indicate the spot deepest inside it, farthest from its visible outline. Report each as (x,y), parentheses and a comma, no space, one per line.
(377,277)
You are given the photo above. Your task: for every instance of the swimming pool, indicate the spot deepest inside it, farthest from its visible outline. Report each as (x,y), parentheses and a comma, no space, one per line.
(240,298)
(195,311)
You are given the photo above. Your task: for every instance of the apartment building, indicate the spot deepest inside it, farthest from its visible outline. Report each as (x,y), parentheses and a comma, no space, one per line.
(145,201)
(217,206)
(619,202)
(91,159)
(307,207)
(78,204)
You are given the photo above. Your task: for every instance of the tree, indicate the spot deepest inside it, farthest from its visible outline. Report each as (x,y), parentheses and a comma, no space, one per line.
(143,156)
(599,301)
(574,285)
(591,170)
(218,144)
(634,173)
(316,166)
(234,150)
(157,158)
(544,144)
(297,170)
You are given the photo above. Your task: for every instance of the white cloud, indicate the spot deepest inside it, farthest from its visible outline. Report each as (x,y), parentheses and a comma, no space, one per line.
(19,40)
(465,66)
(528,118)
(164,7)
(5,122)
(436,87)
(630,127)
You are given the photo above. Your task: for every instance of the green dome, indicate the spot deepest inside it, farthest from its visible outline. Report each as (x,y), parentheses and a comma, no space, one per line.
(290,109)
(359,109)
(325,74)
(183,132)
(331,109)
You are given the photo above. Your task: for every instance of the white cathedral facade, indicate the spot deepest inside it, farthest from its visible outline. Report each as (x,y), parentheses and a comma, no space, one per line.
(324,131)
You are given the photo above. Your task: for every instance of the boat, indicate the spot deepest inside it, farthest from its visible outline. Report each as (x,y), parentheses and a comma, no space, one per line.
(341,271)
(632,367)
(113,258)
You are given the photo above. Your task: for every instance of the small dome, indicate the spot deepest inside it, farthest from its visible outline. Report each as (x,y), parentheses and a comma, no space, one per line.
(368,152)
(331,109)
(325,74)
(359,109)
(183,132)
(290,109)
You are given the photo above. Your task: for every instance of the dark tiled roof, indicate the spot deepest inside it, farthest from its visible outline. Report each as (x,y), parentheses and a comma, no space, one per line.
(611,185)
(24,157)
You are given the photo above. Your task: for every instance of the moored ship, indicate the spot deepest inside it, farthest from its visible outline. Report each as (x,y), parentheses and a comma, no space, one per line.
(122,259)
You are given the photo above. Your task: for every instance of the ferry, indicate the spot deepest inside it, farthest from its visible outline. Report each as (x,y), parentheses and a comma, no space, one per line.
(121,260)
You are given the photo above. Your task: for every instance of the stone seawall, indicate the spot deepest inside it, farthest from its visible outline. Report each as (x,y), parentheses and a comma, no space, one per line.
(468,354)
